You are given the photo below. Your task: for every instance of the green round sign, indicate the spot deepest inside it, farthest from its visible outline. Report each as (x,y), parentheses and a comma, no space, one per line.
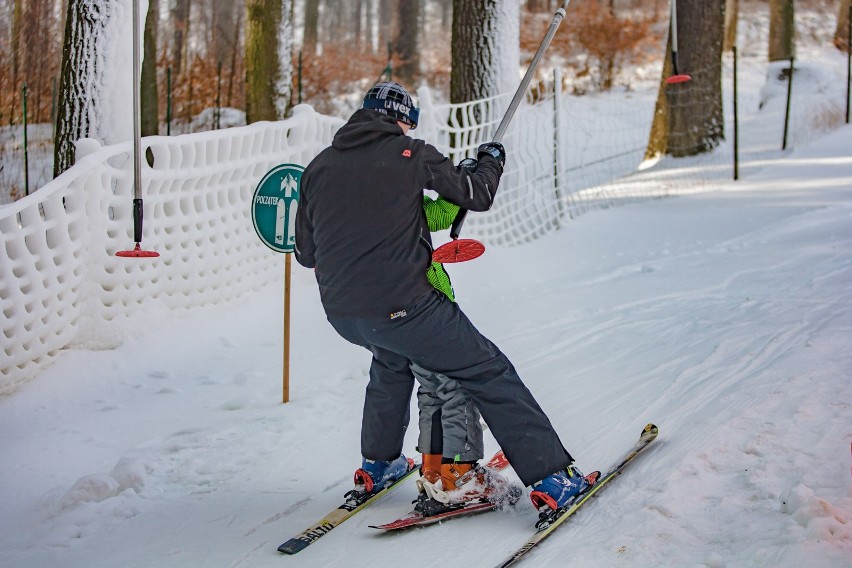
(273,209)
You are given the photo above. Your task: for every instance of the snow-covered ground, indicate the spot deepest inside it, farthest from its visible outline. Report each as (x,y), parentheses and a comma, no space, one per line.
(724,317)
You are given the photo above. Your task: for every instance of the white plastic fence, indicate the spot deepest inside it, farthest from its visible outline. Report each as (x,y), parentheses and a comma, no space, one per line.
(61,284)
(60,281)
(563,154)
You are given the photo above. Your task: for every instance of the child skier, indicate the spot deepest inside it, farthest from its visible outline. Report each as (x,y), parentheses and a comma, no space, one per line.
(450,431)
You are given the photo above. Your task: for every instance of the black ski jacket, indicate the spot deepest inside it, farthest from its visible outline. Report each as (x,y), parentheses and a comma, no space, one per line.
(360,222)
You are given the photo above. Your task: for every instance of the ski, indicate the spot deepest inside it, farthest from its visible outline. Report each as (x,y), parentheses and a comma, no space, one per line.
(549,522)
(417,518)
(355,502)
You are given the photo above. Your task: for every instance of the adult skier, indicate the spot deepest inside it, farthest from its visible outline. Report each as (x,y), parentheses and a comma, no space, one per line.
(361,226)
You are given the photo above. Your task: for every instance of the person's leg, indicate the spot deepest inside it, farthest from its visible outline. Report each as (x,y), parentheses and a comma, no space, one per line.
(462,433)
(388,395)
(386,406)
(436,335)
(430,440)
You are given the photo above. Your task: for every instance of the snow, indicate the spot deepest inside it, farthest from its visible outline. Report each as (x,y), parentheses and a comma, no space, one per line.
(724,317)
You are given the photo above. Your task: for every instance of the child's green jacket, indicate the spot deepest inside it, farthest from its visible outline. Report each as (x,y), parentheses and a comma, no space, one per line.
(440,215)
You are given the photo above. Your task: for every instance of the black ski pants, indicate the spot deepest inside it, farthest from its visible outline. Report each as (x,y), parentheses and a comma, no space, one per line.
(436,335)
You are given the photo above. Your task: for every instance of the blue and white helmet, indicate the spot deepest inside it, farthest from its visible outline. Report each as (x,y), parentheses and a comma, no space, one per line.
(393,100)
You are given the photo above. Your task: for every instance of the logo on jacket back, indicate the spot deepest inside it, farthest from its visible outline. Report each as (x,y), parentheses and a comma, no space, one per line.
(406,153)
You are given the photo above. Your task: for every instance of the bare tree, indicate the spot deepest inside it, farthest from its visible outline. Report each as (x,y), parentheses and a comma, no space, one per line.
(311,33)
(446,12)
(149,107)
(388,20)
(17,60)
(688,119)
(782,30)
(36,60)
(223,22)
(180,32)
(732,12)
(481,56)
(269,43)
(79,86)
(841,36)
(539,5)
(407,43)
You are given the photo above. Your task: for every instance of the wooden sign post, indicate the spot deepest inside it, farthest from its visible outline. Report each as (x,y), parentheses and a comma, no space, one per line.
(273,213)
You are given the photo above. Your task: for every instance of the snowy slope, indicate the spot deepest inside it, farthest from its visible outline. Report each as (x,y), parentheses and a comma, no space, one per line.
(724,317)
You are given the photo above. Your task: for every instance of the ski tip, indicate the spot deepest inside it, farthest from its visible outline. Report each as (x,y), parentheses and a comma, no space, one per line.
(593,478)
(293,546)
(650,429)
(498,461)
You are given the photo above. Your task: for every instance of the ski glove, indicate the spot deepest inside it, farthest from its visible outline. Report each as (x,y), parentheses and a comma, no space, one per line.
(493,149)
(469,164)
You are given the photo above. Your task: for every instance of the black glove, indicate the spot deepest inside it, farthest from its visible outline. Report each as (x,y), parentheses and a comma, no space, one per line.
(493,149)
(469,164)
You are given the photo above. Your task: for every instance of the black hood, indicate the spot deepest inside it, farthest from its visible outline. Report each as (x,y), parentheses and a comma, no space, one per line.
(363,128)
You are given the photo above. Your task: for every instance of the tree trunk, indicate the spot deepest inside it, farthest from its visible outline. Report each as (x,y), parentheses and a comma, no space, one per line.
(407,42)
(269,42)
(485,49)
(688,118)
(79,86)
(388,12)
(223,26)
(235,61)
(311,26)
(732,11)
(841,36)
(358,22)
(446,12)
(180,23)
(539,5)
(17,60)
(149,103)
(335,24)
(782,30)
(36,59)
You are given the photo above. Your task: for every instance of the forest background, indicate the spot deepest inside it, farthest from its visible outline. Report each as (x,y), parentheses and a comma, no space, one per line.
(339,47)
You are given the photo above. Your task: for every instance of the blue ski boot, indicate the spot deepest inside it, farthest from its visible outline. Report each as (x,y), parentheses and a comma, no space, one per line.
(555,491)
(374,475)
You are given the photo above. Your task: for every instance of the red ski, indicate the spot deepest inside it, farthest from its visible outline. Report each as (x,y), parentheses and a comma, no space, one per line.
(416,518)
